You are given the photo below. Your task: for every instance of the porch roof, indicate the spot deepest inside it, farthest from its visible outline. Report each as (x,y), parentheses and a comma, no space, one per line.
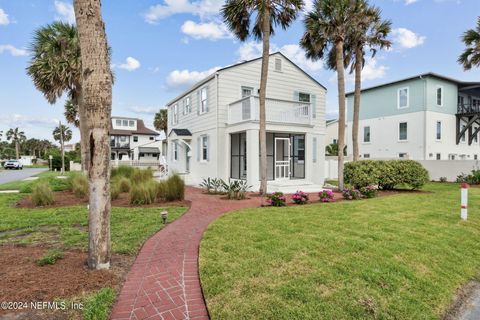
(148,150)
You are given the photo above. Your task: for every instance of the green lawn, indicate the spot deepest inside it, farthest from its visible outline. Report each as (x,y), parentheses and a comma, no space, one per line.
(397,257)
(25,186)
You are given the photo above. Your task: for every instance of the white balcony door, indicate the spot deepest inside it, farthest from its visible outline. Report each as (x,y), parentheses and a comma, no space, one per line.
(282,158)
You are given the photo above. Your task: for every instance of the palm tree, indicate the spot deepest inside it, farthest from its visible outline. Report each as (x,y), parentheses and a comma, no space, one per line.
(55,68)
(369,30)
(62,134)
(97,81)
(269,13)
(71,113)
(17,137)
(328,26)
(332,149)
(471,55)
(161,120)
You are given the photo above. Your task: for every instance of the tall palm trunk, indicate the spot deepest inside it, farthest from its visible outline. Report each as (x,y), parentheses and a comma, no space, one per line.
(97,105)
(62,146)
(356,101)
(83,127)
(341,109)
(17,149)
(262,98)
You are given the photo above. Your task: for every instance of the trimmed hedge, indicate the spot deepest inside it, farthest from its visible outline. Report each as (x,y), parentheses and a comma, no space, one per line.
(386,174)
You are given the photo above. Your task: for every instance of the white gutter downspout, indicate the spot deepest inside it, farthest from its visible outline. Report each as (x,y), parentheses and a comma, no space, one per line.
(217,124)
(425,118)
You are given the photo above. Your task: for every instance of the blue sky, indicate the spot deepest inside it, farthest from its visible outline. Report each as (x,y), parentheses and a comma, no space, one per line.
(160,47)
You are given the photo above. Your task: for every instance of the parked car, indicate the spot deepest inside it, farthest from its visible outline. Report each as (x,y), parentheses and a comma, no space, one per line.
(13,164)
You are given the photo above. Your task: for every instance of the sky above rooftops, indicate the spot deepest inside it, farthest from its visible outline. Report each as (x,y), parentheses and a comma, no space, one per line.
(161,47)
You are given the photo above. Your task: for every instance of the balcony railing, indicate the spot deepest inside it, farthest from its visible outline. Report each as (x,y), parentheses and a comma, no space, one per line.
(120,145)
(277,111)
(468,108)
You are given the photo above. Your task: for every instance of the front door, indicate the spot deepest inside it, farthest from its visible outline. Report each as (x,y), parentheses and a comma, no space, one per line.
(282,158)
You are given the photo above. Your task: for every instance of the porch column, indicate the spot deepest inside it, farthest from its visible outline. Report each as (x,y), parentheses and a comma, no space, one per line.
(253,158)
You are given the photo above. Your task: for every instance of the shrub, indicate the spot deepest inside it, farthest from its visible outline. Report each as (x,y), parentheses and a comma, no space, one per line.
(385,174)
(57,163)
(472,178)
(141,175)
(42,194)
(78,183)
(326,195)
(50,257)
(351,194)
(214,185)
(276,199)
(115,191)
(300,197)
(369,191)
(143,193)
(236,189)
(122,171)
(443,179)
(124,184)
(161,190)
(175,188)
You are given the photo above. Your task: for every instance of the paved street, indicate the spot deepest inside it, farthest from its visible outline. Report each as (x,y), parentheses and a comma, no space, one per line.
(13,175)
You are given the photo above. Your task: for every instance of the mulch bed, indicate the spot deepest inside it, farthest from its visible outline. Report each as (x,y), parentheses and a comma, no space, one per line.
(23,280)
(67,198)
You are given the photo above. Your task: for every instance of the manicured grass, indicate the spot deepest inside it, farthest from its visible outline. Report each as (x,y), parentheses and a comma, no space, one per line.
(25,186)
(98,305)
(397,257)
(67,227)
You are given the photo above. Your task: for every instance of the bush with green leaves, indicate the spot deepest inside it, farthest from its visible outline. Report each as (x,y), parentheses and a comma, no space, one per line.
(141,175)
(472,178)
(122,171)
(443,179)
(385,174)
(369,191)
(115,191)
(212,185)
(175,188)
(57,163)
(236,189)
(277,199)
(50,257)
(143,193)
(78,184)
(351,194)
(124,184)
(42,194)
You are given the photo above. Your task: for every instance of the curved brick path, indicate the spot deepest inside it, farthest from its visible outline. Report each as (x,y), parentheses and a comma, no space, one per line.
(164,282)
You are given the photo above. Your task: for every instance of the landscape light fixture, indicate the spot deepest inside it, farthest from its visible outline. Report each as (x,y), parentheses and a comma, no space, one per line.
(164,215)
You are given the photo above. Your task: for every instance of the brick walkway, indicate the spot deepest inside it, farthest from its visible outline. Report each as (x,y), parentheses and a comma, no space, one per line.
(164,282)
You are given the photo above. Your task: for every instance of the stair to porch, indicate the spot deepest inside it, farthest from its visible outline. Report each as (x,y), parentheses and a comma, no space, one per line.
(292,186)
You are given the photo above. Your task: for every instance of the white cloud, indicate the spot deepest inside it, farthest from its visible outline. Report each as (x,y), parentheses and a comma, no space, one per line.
(129,65)
(178,79)
(23,121)
(202,8)
(4,20)
(144,110)
(13,50)
(371,71)
(208,30)
(407,39)
(64,11)
(407,2)
(251,50)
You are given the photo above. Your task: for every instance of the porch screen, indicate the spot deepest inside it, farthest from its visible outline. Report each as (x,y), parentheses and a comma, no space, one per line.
(238,156)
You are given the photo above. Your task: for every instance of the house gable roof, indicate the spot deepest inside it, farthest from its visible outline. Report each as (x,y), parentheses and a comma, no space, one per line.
(141,129)
(181,132)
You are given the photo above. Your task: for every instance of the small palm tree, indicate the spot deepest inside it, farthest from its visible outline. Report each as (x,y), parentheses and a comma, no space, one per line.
(62,134)
(17,137)
(269,13)
(71,113)
(471,55)
(368,31)
(161,120)
(327,28)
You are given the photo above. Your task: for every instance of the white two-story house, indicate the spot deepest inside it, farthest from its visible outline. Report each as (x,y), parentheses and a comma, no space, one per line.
(131,140)
(423,117)
(213,127)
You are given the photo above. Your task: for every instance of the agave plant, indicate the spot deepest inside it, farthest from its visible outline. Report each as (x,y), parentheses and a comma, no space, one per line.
(236,189)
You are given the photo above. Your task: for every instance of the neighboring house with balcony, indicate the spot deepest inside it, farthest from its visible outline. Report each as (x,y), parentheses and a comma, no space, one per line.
(213,127)
(424,117)
(130,140)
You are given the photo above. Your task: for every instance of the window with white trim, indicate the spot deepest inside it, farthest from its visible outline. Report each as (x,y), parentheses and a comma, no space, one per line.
(303,97)
(402,155)
(438,156)
(118,122)
(203,100)
(125,123)
(403,98)
(439,96)
(438,133)
(204,149)
(278,64)
(175,114)
(402,131)
(366,155)
(187,105)
(366,134)
(175,151)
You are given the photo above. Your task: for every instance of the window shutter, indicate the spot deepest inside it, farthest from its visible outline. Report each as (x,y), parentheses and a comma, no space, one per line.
(313,101)
(208,148)
(198,148)
(314,150)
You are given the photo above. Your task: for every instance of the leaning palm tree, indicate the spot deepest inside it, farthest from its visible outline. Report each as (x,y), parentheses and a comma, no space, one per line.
(17,137)
(55,68)
(471,55)
(269,13)
(327,28)
(97,81)
(161,120)
(62,134)
(369,31)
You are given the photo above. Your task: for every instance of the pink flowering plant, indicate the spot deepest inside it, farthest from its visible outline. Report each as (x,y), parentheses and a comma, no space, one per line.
(351,194)
(300,197)
(326,196)
(276,199)
(369,191)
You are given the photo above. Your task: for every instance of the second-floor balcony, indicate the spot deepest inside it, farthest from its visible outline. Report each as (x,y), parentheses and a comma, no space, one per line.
(277,111)
(468,108)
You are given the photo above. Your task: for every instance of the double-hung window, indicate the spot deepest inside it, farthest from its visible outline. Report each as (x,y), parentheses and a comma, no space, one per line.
(187,106)
(204,148)
(175,151)
(366,134)
(403,98)
(303,97)
(439,96)
(438,134)
(175,113)
(203,100)
(402,131)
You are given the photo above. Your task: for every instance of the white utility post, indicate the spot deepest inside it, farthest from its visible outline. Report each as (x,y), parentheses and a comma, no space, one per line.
(464,201)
